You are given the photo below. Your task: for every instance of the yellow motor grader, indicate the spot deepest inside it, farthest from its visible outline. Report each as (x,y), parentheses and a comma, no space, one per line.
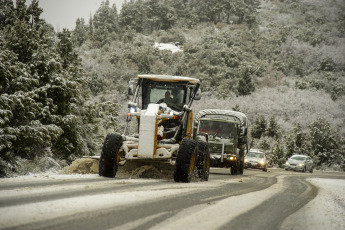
(159,129)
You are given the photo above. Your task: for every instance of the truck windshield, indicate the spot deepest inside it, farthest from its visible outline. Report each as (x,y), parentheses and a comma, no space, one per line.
(217,128)
(171,93)
(256,155)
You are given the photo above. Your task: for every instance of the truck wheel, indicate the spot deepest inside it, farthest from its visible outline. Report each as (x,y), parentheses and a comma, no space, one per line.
(110,155)
(265,169)
(185,167)
(203,163)
(233,170)
(240,166)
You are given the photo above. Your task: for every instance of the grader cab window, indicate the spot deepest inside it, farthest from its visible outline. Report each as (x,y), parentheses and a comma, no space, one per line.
(156,92)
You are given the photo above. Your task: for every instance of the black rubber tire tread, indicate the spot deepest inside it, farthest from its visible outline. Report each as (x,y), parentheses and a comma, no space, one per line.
(240,163)
(203,163)
(265,169)
(233,170)
(188,149)
(107,163)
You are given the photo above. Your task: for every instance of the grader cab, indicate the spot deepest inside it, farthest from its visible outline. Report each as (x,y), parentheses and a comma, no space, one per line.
(159,129)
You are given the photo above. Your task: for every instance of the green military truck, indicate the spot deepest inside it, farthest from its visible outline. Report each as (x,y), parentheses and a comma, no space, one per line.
(226,133)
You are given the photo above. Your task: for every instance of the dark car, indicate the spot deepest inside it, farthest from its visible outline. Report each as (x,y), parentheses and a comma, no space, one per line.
(255,159)
(299,163)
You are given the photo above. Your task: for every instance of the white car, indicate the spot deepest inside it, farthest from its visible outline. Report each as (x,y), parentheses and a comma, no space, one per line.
(300,163)
(255,159)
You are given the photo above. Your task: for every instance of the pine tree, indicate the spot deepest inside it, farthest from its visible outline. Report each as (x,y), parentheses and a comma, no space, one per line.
(132,17)
(105,22)
(259,127)
(290,145)
(91,27)
(325,143)
(245,84)
(80,33)
(272,129)
(278,156)
(41,86)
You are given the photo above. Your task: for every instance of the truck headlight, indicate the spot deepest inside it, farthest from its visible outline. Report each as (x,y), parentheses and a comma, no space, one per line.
(232,158)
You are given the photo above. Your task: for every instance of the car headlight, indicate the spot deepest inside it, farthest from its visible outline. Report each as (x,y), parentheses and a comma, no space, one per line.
(287,163)
(245,160)
(261,162)
(300,165)
(232,158)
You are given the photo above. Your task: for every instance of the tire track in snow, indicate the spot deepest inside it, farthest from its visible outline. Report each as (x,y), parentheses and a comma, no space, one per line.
(216,190)
(45,206)
(197,217)
(27,195)
(71,206)
(270,214)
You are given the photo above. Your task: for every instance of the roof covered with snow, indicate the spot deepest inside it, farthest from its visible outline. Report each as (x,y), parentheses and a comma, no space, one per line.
(169,78)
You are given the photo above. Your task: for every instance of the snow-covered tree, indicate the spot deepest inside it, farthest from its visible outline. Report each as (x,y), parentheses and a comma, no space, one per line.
(41,88)
(81,32)
(259,127)
(273,128)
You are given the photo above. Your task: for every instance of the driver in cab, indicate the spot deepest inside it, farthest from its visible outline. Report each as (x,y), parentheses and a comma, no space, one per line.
(167,99)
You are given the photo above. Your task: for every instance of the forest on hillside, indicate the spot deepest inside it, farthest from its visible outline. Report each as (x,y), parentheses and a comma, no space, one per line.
(281,62)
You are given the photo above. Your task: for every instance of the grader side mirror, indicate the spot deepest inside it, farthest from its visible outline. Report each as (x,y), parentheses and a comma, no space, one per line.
(131,87)
(198,95)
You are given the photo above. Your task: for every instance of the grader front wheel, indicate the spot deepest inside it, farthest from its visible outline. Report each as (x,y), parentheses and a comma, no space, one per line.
(110,157)
(185,167)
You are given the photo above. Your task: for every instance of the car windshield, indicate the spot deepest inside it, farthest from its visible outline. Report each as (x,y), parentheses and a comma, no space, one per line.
(256,155)
(172,93)
(298,158)
(217,128)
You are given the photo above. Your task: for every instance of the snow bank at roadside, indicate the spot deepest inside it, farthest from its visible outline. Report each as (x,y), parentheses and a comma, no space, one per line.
(326,211)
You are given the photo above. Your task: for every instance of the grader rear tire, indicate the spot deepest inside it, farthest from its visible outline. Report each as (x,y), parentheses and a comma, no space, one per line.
(185,167)
(110,156)
(203,163)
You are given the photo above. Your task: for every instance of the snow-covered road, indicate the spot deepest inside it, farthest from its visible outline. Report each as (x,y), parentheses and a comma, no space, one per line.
(273,200)
(326,211)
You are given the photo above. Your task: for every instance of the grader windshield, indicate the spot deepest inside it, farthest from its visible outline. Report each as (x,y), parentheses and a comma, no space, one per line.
(174,94)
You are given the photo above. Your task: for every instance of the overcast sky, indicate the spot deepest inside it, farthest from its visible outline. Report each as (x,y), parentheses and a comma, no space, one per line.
(64,13)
